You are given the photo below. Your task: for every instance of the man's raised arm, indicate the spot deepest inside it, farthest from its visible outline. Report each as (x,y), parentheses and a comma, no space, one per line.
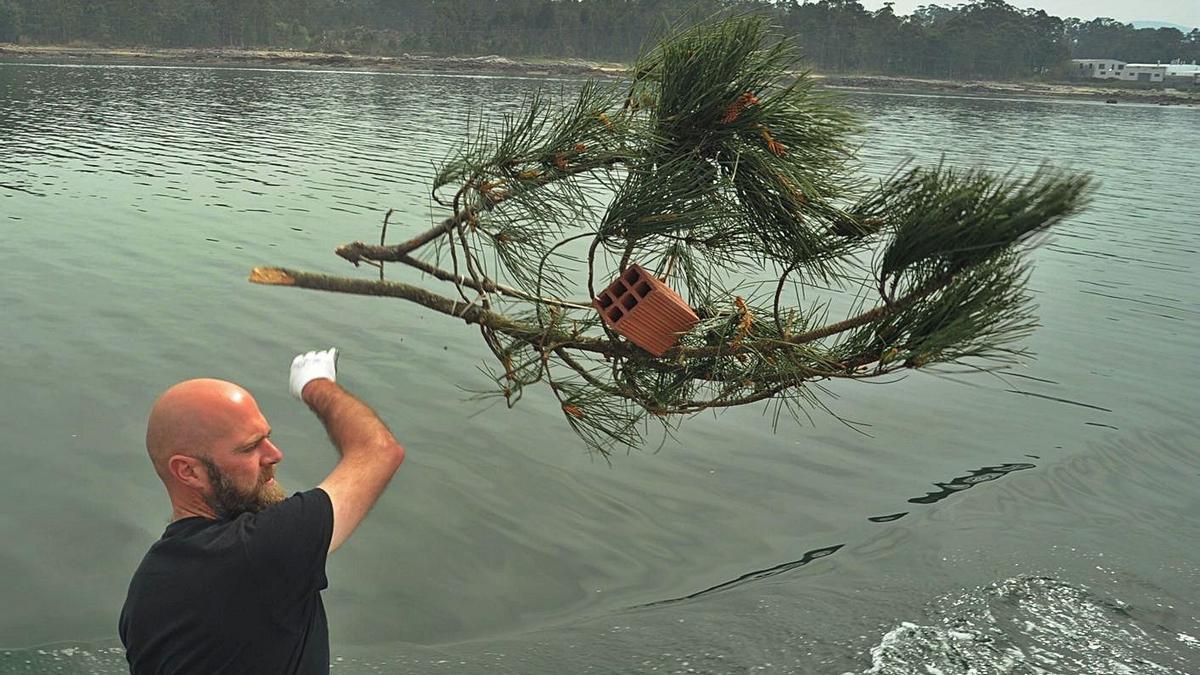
(370,454)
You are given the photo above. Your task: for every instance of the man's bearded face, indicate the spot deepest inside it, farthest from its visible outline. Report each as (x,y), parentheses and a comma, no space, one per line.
(229,501)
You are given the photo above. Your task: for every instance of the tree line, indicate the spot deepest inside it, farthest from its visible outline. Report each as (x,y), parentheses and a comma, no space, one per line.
(984,38)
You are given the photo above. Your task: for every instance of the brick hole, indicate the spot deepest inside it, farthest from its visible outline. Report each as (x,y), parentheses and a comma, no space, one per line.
(630,301)
(618,288)
(615,313)
(642,289)
(631,276)
(605,300)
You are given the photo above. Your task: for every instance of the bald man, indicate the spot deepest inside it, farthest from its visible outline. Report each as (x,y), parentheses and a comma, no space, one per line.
(233,585)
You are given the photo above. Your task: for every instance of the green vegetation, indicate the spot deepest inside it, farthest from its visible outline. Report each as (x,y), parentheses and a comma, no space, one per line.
(986,38)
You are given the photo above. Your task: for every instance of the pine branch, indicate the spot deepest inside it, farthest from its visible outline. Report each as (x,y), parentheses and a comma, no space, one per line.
(716,164)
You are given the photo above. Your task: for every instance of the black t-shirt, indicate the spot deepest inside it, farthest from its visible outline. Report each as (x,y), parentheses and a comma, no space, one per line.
(234,596)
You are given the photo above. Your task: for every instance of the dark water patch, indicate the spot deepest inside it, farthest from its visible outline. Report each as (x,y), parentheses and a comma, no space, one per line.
(970,480)
(1025,376)
(1143,262)
(1059,400)
(756,575)
(947,488)
(17,188)
(1144,302)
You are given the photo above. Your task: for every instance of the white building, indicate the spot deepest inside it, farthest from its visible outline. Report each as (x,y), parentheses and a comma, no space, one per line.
(1183,72)
(1100,69)
(1144,72)
(1112,69)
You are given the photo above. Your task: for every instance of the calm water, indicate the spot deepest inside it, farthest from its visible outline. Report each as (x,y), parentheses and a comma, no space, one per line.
(1041,522)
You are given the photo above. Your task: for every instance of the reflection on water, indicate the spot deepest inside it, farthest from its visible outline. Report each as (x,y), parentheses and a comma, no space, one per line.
(953,486)
(956,485)
(809,556)
(133,203)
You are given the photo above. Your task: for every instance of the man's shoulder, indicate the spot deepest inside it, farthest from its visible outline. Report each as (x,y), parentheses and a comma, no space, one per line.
(279,552)
(299,526)
(311,506)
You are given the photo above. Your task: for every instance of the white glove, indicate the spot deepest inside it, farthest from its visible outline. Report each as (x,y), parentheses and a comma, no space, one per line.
(313,366)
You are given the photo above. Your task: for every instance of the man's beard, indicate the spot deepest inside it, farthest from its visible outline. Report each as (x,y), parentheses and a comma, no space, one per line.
(228,502)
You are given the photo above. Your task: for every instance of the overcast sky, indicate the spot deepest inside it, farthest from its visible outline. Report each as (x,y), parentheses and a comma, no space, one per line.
(1183,12)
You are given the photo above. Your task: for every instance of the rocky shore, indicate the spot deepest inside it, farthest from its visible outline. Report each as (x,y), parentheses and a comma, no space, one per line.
(278,58)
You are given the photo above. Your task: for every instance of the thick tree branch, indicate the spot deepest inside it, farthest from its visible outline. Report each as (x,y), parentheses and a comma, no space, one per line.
(276,276)
(471,313)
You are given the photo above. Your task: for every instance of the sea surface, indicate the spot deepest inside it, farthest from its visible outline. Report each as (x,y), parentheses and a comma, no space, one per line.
(1044,520)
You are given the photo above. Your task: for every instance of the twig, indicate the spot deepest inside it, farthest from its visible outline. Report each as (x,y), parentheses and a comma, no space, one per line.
(383,238)
(779,292)
(357,251)
(489,285)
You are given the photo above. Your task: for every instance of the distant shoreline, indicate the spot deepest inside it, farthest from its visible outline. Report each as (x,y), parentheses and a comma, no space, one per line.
(1055,90)
(499,65)
(287,59)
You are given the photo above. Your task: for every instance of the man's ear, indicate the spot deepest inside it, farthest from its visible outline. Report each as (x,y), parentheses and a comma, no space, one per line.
(188,471)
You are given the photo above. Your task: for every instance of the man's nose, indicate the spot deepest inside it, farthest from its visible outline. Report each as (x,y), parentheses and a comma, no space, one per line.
(272,454)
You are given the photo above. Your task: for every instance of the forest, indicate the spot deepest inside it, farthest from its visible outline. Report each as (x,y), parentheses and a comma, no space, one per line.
(982,39)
